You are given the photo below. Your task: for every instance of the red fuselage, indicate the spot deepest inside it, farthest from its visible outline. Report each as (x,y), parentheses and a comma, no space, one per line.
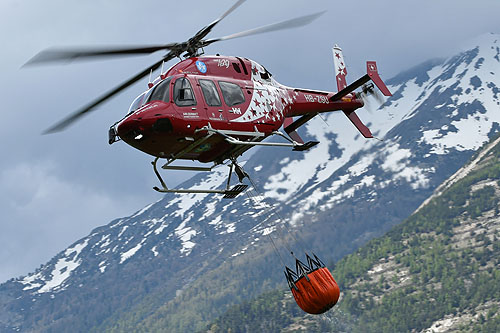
(224,93)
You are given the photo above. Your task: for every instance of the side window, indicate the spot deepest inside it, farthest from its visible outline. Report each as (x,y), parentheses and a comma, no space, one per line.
(183,93)
(236,67)
(266,75)
(210,93)
(232,93)
(161,92)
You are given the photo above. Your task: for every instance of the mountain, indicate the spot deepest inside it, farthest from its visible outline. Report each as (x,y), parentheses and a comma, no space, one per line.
(438,271)
(180,262)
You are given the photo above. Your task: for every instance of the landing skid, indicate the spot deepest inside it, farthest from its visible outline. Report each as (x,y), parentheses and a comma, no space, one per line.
(254,139)
(305,146)
(229,193)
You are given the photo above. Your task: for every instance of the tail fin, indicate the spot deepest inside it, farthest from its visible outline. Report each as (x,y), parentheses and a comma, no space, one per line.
(371,70)
(340,68)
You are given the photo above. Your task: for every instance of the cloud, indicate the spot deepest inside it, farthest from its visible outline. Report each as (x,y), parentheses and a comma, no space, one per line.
(42,214)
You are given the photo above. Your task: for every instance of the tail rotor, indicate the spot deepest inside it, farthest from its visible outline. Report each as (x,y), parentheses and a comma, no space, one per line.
(372,98)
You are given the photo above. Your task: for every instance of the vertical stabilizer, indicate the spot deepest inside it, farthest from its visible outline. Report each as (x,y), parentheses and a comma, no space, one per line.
(340,69)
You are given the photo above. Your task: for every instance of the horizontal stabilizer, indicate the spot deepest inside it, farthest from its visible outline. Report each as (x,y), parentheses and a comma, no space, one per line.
(353,117)
(306,146)
(290,126)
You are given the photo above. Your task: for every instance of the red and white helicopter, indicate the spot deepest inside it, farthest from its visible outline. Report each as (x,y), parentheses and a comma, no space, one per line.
(212,109)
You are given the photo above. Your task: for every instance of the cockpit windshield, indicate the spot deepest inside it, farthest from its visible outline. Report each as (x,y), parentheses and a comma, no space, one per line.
(161,92)
(137,102)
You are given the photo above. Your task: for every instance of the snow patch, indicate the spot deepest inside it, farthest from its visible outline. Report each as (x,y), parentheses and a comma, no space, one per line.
(104,241)
(186,202)
(102,266)
(29,281)
(63,268)
(471,135)
(185,234)
(122,231)
(243,250)
(268,230)
(160,228)
(230,227)
(126,255)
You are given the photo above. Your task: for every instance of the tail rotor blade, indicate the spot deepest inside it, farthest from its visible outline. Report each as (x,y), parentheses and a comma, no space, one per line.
(368,91)
(379,97)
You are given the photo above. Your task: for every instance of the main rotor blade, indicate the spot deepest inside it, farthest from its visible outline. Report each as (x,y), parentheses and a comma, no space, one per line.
(202,33)
(89,107)
(69,54)
(59,54)
(292,23)
(229,11)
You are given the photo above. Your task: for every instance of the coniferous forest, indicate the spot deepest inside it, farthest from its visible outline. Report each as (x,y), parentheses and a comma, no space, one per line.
(442,262)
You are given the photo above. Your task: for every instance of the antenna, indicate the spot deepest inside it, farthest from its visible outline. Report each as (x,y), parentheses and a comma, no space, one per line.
(161,72)
(150,84)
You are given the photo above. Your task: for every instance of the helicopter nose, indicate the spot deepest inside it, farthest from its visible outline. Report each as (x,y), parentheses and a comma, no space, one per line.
(131,129)
(136,128)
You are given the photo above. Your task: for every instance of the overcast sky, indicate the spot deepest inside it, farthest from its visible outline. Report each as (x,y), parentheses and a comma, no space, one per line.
(54,189)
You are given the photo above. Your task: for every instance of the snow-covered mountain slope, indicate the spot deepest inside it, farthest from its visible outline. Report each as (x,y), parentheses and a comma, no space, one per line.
(338,195)
(442,108)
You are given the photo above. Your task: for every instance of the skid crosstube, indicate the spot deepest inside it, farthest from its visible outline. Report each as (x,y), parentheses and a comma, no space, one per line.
(239,147)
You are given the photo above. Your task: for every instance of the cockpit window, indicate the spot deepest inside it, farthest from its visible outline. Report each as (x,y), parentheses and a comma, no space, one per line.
(232,93)
(183,93)
(137,102)
(210,93)
(146,96)
(162,91)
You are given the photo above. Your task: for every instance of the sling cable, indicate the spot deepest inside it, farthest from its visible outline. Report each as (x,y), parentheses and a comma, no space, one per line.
(311,283)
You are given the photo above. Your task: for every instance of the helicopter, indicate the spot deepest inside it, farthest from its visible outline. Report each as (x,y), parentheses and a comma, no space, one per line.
(212,109)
